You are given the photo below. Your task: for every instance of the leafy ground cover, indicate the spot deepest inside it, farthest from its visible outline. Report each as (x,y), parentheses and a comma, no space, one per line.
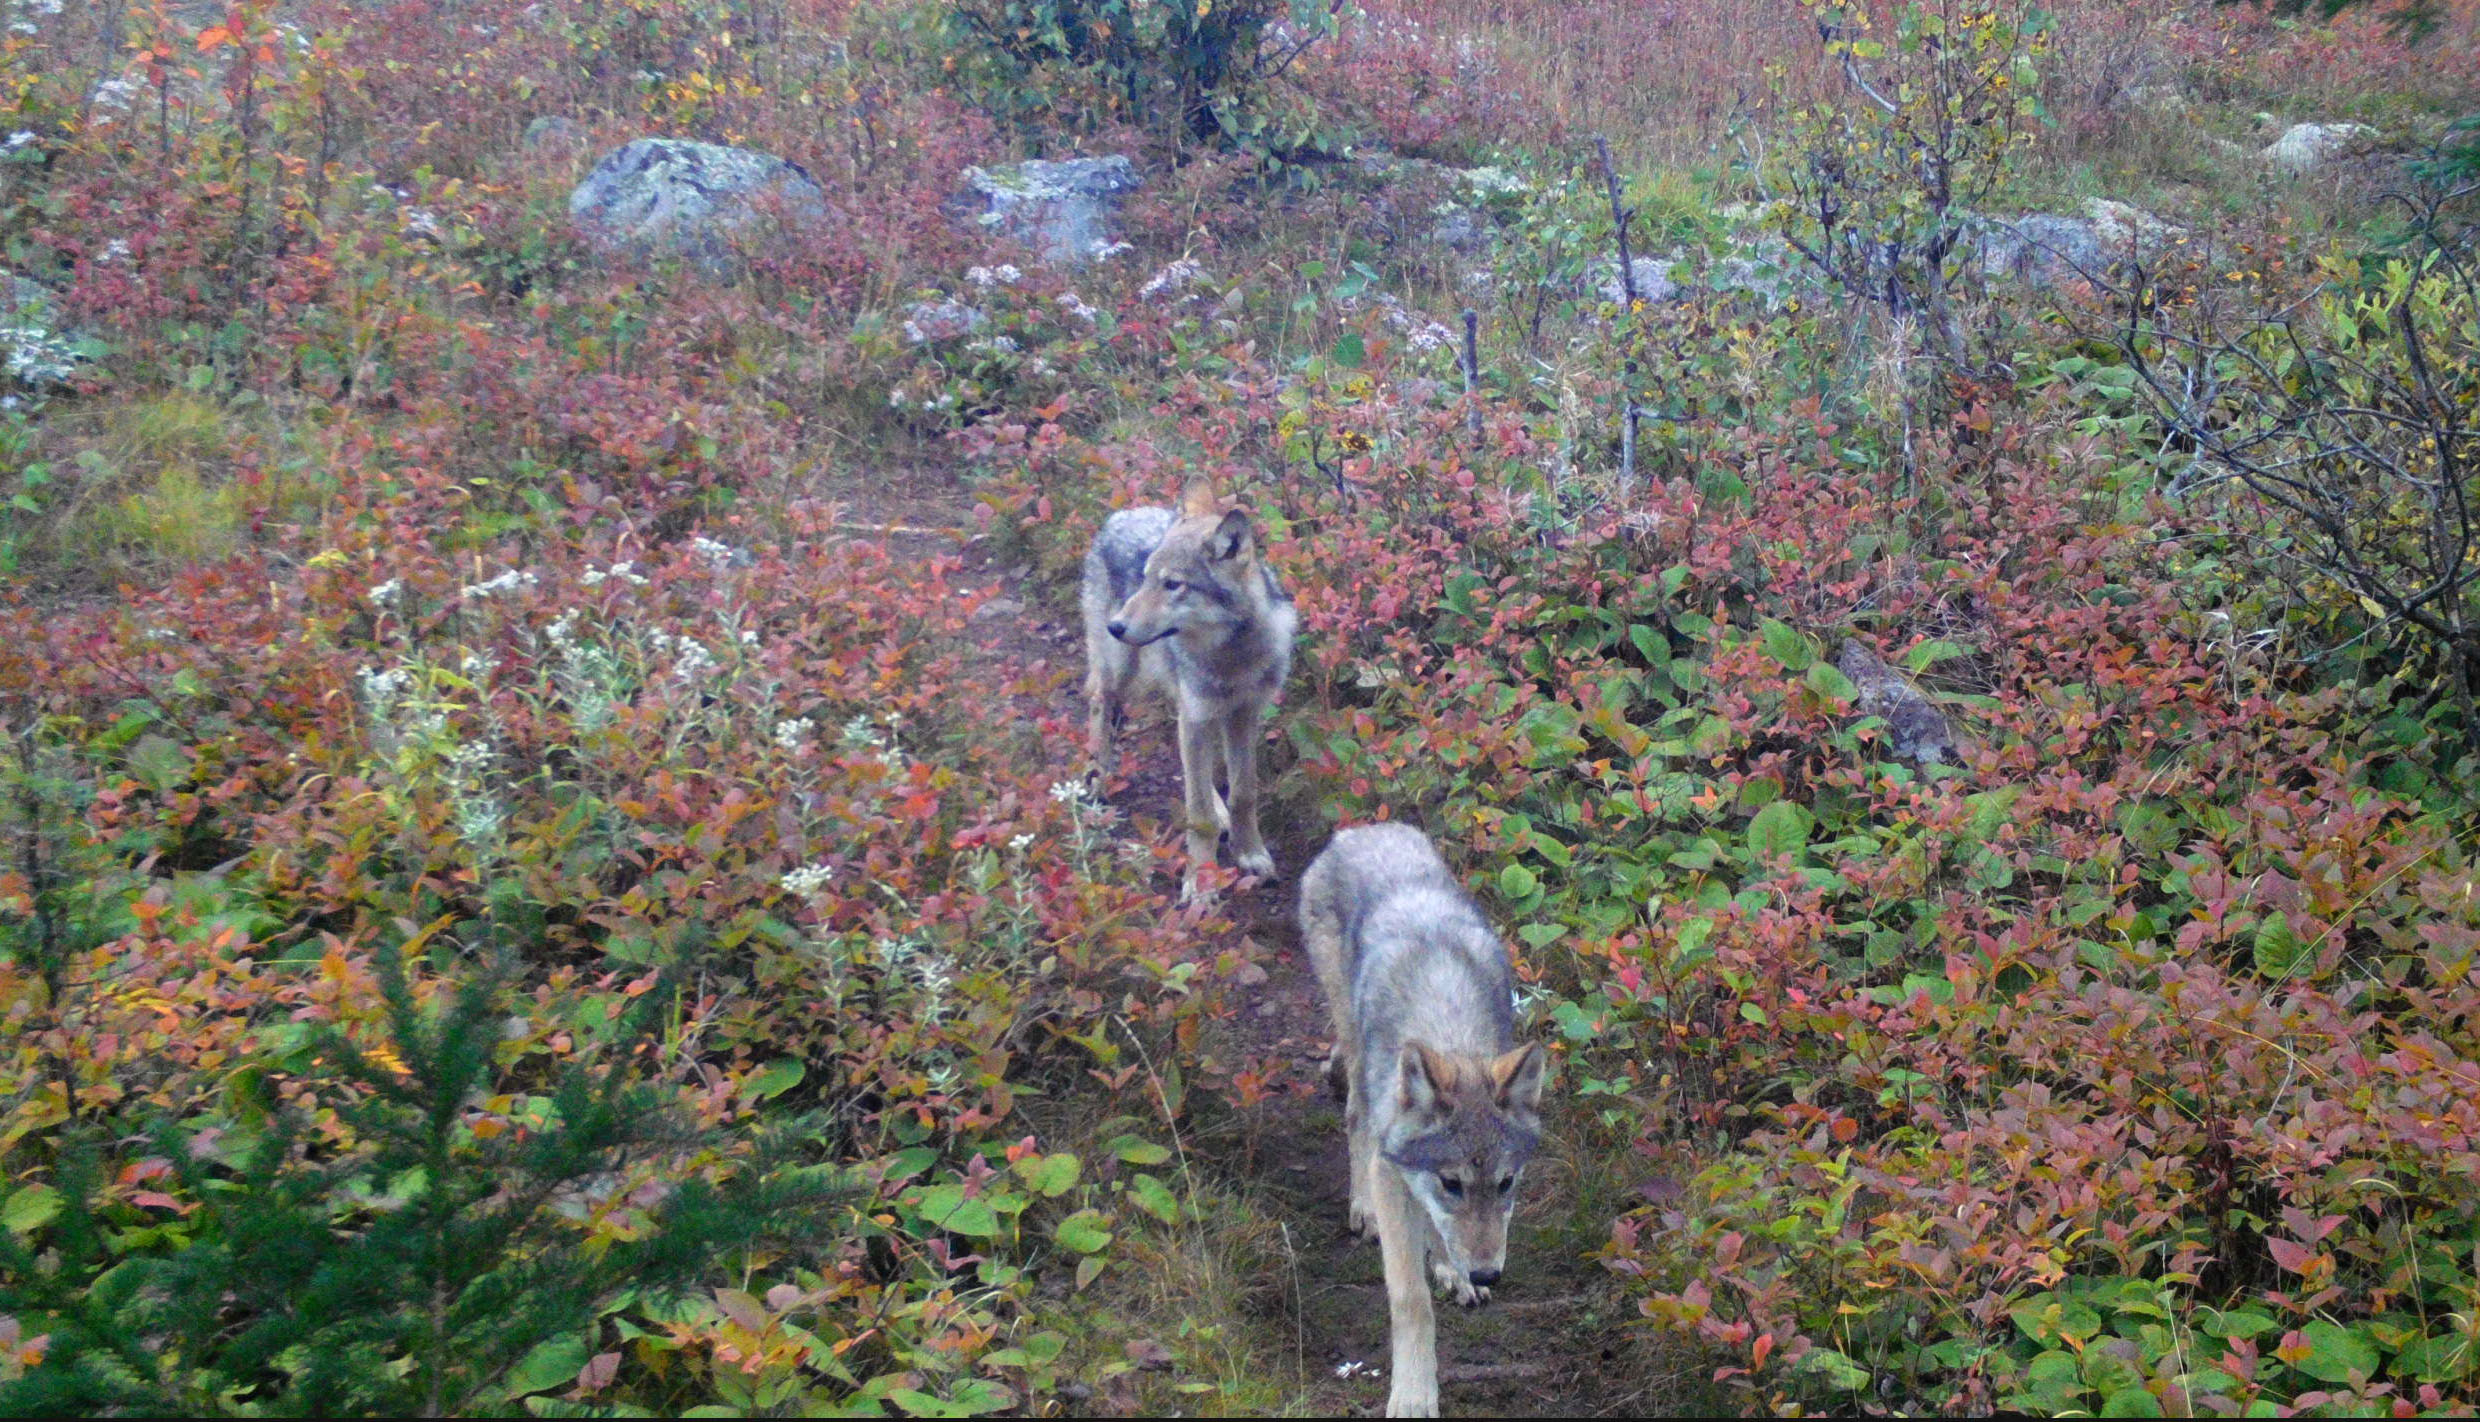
(549,864)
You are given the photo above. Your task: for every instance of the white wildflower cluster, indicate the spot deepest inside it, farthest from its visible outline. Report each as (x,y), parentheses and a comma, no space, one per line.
(1173,279)
(1078,307)
(691,658)
(586,673)
(995,345)
(474,666)
(861,734)
(793,734)
(1431,335)
(718,556)
(933,970)
(1072,793)
(806,880)
(514,580)
(1005,274)
(623,572)
(480,815)
(1104,250)
(382,689)
(383,596)
(23,138)
(1018,844)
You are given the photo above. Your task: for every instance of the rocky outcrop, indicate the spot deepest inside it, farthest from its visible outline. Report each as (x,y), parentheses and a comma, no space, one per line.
(2305,147)
(699,200)
(1063,208)
(2049,249)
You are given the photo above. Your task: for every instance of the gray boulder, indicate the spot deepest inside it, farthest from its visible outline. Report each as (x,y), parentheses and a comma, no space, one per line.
(1653,280)
(2305,147)
(1915,729)
(2049,249)
(700,200)
(1062,208)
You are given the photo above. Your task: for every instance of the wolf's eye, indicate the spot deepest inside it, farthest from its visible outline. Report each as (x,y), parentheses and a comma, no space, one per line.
(1173,585)
(1453,1187)
(1507,1185)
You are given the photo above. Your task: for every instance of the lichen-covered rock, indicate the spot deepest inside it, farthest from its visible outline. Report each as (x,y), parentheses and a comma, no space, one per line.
(1062,208)
(2049,249)
(1653,280)
(701,200)
(1915,729)
(2305,147)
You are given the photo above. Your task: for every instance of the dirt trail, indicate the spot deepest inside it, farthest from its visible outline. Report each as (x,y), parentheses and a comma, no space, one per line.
(1551,1342)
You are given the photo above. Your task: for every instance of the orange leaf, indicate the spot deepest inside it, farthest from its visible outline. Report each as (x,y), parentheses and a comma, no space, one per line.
(213,36)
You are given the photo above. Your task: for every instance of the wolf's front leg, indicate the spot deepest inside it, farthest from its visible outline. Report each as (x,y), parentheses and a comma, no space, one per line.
(1362,1144)
(1242,730)
(1411,1325)
(1200,747)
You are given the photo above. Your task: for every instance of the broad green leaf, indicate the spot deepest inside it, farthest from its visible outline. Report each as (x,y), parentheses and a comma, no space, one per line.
(1780,831)
(1140,1152)
(1786,644)
(1837,1369)
(2279,953)
(1086,1232)
(775,1079)
(553,1363)
(946,1207)
(1155,1198)
(1517,882)
(30,1209)
(1052,1175)
(1827,680)
(2131,1402)
(2337,1354)
(1920,658)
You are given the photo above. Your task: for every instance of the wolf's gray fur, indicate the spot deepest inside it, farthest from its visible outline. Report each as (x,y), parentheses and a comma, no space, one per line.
(1181,602)
(1443,1106)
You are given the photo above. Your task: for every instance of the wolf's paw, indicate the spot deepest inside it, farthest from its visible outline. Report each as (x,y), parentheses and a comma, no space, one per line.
(1361,1220)
(1455,1286)
(1254,861)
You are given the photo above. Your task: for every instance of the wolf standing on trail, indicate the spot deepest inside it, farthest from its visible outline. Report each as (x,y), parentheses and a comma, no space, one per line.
(1181,602)
(1442,1106)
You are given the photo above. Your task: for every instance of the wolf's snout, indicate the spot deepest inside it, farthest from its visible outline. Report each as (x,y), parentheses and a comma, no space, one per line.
(1484,1278)
(1118,629)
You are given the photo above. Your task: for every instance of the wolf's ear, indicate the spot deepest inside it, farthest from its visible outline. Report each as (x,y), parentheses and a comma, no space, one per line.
(1198,499)
(1231,536)
(1427,1078)
(1517,1077)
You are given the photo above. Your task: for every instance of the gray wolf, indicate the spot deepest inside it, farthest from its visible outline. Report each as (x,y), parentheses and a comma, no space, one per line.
(1442,1106)
(1181,602)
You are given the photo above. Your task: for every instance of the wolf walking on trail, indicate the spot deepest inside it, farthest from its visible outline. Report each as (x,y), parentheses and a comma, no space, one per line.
(1181,602)
(1442,1106)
